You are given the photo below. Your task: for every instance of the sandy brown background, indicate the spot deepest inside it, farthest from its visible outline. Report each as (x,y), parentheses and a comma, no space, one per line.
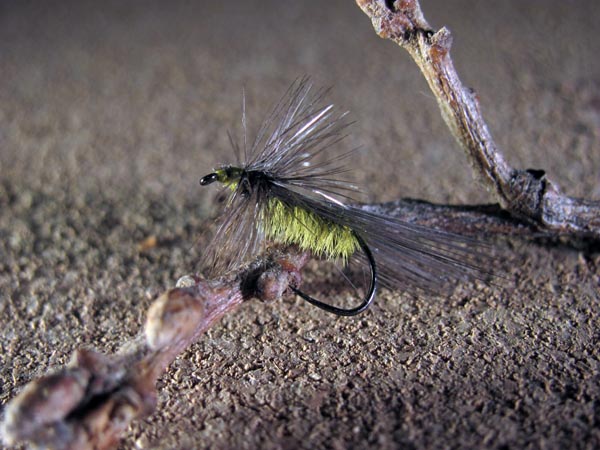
(109,113)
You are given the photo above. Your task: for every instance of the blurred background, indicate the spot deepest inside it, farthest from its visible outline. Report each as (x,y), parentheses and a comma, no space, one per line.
(111,111)
(142,93)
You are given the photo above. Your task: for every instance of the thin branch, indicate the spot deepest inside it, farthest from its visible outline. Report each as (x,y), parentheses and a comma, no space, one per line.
(526,194)
(90,403)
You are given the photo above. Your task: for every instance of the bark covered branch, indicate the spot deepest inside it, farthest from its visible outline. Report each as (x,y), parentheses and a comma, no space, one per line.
(527,194)
(91,402)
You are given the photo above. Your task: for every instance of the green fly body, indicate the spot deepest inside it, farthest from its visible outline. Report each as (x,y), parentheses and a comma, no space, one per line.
(292,224)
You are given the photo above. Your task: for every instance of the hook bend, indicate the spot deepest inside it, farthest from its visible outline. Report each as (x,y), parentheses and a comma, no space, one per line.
(367,300)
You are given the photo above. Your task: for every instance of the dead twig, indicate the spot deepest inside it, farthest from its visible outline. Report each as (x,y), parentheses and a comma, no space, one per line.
(527,194)
(90,403)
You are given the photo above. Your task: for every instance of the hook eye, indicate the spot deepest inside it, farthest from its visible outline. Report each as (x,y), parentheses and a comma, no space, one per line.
(368,299)
(208,179)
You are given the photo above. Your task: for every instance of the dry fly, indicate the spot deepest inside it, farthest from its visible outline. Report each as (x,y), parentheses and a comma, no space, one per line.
(289,189)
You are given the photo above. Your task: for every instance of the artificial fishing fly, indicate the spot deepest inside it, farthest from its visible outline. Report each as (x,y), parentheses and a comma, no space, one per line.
(288,190)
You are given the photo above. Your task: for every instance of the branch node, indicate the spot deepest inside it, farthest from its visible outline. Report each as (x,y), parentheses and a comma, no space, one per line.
(441,40)
(526,193)
(174,315)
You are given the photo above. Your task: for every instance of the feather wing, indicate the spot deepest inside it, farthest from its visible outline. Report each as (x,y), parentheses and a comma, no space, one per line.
(408,256)
(291,144)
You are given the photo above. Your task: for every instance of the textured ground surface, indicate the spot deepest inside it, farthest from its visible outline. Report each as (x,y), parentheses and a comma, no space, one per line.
(108,116)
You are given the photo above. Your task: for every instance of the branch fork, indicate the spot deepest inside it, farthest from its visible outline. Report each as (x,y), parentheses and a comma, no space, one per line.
(529,194)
